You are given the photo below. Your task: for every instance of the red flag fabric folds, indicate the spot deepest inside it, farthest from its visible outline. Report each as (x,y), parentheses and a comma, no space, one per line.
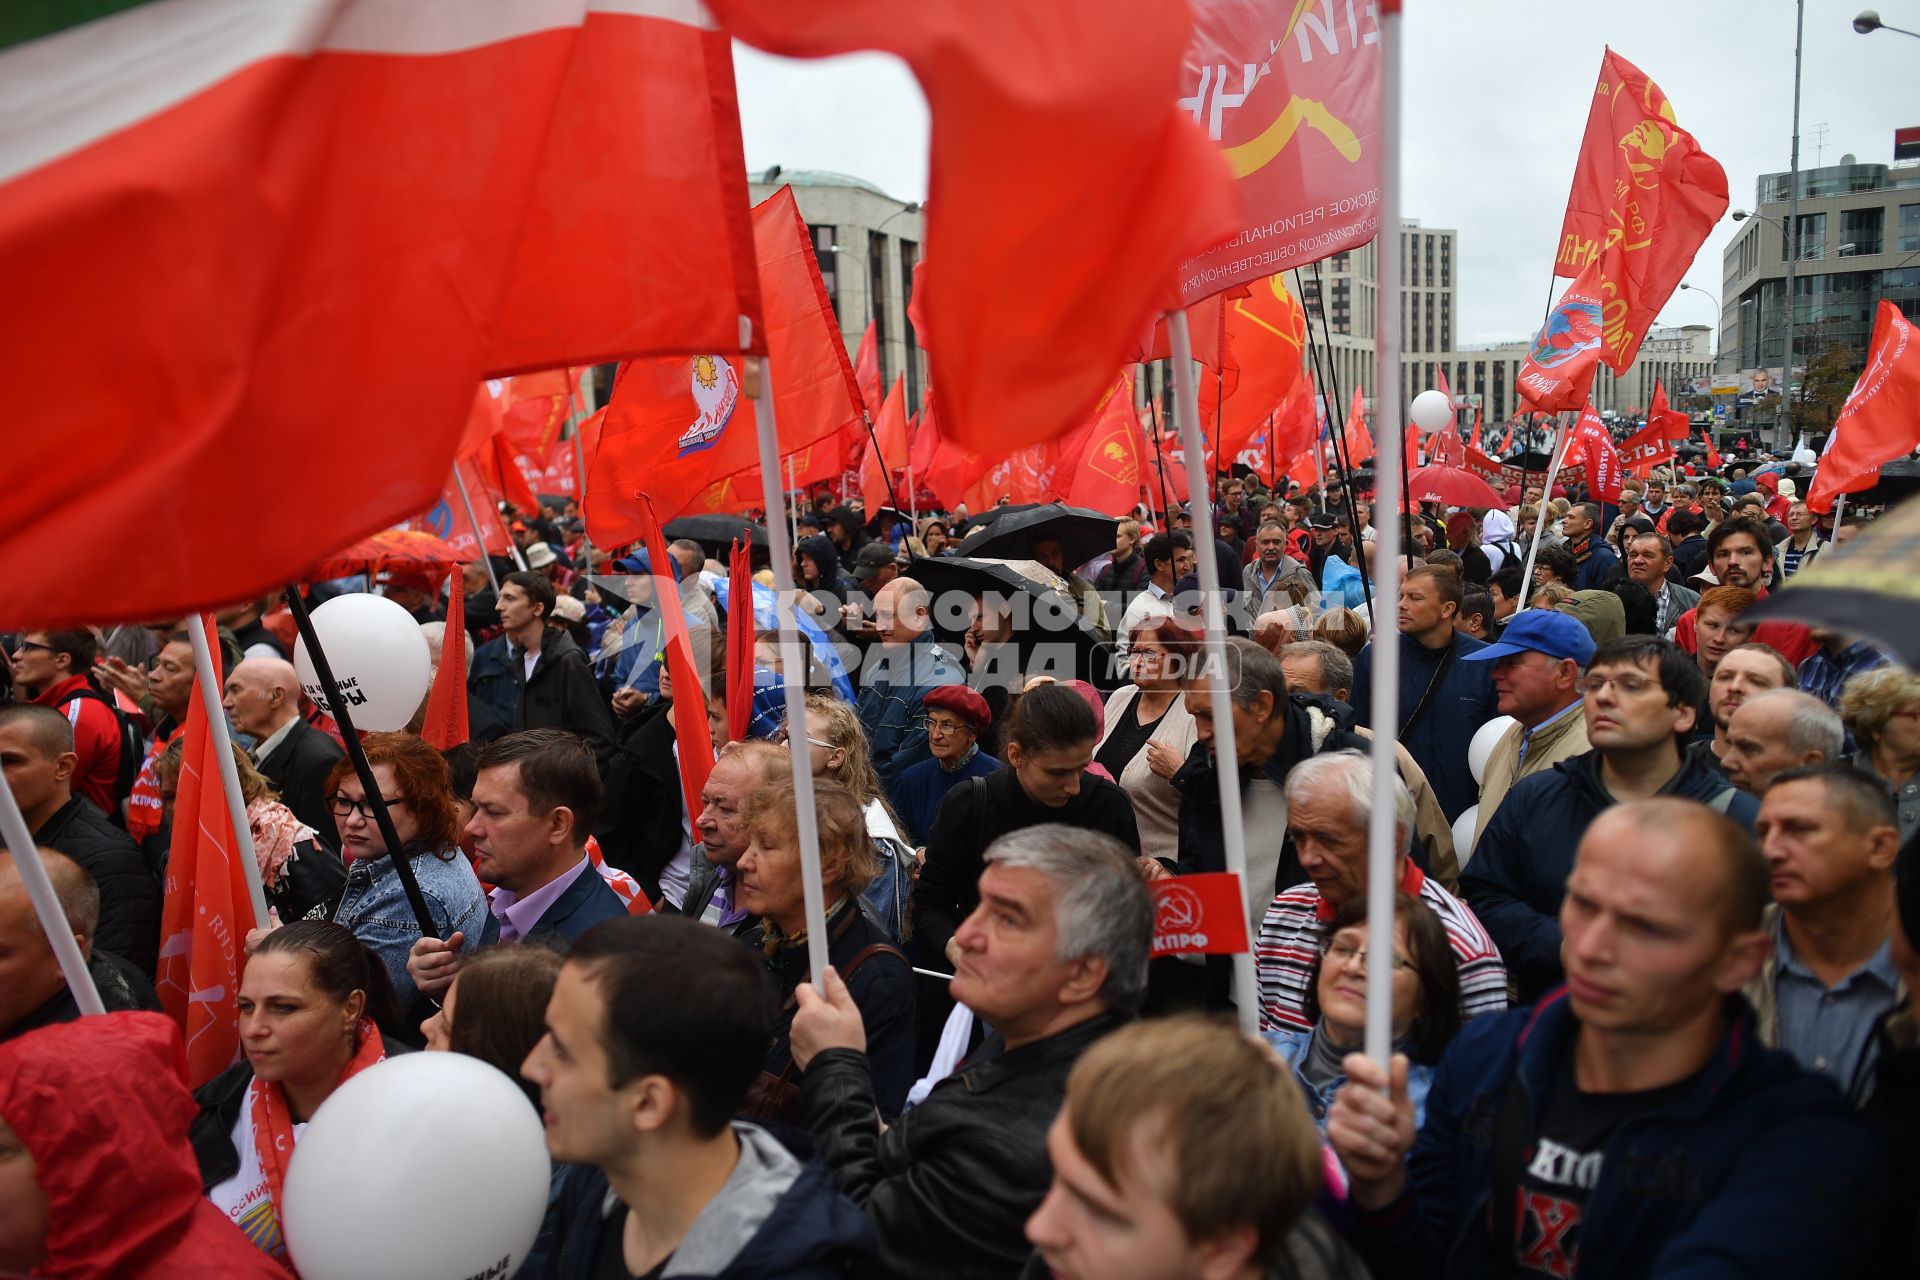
(1558,372)
(299,259)
(1644,198)
(1356,442)
(206,907)
(1881,418)
(1595,449)
(866,370)
(691,731)
(677,426)
(445,723)
(1033,293)
(887,451)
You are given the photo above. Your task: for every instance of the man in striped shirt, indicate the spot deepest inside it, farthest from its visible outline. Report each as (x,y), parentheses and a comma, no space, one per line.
(1328,800)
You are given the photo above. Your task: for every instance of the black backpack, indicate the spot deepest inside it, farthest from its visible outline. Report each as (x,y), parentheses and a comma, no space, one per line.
(133,747)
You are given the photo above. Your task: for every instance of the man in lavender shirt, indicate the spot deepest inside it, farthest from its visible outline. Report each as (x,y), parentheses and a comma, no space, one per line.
(535,799)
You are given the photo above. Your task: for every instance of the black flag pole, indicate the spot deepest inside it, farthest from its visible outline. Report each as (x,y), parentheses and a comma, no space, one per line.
(337,707)
(1342,456)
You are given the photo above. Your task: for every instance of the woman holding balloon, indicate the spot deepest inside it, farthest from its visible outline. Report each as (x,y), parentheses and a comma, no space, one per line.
(315,1007)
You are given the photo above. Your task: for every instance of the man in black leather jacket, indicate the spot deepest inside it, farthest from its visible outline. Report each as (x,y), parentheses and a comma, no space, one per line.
(1054,957)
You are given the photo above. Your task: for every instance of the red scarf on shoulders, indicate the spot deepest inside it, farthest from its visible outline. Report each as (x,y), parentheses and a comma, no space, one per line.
(273,1118)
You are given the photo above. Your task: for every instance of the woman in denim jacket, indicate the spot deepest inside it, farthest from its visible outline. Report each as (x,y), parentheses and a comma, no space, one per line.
(418,790)
(1426,1003)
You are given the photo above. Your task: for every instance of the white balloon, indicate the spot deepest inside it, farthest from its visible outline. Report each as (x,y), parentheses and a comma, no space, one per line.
(1463,829)
(428,1166)
(1432,411)
(379,659)
(1481,748)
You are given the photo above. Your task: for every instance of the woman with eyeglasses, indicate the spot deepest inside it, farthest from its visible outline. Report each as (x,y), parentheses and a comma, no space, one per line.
(955,718)
(418,791)
(1426,1004)
(1149,730)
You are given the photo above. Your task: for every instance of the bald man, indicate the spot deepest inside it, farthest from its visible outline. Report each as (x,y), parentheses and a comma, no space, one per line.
(33,991)
(895,677)
(262,698)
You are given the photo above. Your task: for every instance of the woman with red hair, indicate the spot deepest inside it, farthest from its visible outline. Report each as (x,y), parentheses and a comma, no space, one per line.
(1148,731)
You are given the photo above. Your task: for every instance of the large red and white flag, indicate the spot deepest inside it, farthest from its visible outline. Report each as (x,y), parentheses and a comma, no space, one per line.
(248,243)
(206,907)
(1592,444)
(1290,93)
(1557,375)
(1881,418)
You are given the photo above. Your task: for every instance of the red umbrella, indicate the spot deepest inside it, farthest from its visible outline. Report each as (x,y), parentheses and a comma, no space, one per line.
(406,550)
(1453,487)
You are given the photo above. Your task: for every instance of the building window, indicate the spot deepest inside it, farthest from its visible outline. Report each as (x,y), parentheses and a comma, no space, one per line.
(1811,243)
(1909,227)
(828,260)
(909,256)
(1860,232)
(1446,322)
(877,295)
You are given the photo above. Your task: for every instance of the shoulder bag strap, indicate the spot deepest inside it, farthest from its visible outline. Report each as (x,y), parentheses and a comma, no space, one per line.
(1426,699)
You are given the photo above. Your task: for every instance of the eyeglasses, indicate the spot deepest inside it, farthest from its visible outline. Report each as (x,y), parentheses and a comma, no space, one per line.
(782,738)
(341,805)
(1630,686)
(24,645)
(1341,954)
(941,725)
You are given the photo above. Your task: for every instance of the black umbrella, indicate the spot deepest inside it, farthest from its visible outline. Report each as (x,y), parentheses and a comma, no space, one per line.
(716,533)
(1081,532)
(1866,588)
(1050,636)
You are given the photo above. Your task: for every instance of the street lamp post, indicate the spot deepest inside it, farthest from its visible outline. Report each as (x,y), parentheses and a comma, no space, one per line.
(1869,22)
(1793,257)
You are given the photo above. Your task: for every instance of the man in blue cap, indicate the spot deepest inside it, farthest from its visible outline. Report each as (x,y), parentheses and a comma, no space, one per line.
(1537,664)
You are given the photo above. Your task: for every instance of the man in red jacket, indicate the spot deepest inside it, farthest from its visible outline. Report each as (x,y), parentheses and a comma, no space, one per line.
(53,668)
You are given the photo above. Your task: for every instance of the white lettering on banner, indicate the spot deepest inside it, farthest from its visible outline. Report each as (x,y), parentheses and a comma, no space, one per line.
(1215,77)
(1329,31)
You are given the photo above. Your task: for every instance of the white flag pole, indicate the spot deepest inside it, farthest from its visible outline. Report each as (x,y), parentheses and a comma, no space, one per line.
(1383,851)
(1540,516)
(208,682)
(793,668)
(46,903)
(793,513)
(473,521)
(1186,408)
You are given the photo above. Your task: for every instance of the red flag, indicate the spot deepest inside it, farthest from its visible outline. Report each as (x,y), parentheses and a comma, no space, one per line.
(1440,384)
(1674,424)
(1102,464)
(925,440)
(887,451)
(1290,92)
(1646,449)
(1597,452)
(1475,442)
(1203,913)
(866,370)
(444,725)
(690,728)
(535,406)
(1356,441)
(295,253)
(1267,333)
(1881,418)
(677,426)
(206,908)
(1557,375)
(739,641)
(1033,294)
(1713,454)
(1644,198)
(1414,459)
(447,518)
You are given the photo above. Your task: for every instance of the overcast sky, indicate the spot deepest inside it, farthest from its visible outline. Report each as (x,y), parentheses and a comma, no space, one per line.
(1497,93)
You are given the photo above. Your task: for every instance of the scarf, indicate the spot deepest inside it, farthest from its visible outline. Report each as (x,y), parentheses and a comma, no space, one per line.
(275,832)
(772,941)
(273,1119)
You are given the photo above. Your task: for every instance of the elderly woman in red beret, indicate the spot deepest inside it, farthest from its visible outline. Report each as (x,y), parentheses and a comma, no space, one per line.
(955,717)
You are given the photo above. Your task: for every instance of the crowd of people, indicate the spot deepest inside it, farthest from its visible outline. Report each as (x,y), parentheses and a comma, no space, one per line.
(1652,955)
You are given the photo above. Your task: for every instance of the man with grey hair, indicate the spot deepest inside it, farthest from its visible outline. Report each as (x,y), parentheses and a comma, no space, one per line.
(1053,958)
(1778,730)
(1273,731)
(1329,799)
(262,698)
(1830,836)
(34,991)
